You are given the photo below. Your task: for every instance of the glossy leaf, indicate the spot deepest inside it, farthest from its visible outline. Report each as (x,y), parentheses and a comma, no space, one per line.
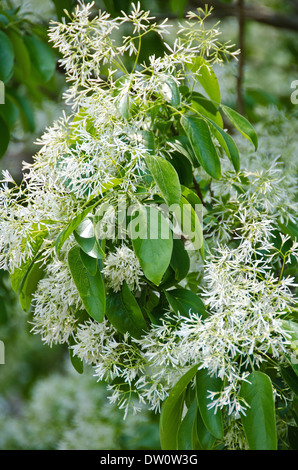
(6,57)
(9,111)
(22,57)
(170,91)
(290,377)
(242,124)
(206,108)
(91,288)
(187,221)
(259,422)
(207,78)
(19,274)
(185,301)
(171,412)
(182,145)
(291,327)
(228,144)
(205,440)
(124,313)
(77,363)
(182,166)
(185,430)
(42,57)
(147,138)
(152,243)
(199,135)
(85,237)
(180,261)
(71,226)
(205,384)
(166,178)
(29,285)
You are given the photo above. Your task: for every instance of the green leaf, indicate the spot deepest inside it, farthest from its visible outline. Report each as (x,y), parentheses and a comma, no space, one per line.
(204,438)
(207,78)
(182,145)
(205,384)
(199,135)
(77,363)
(166,178)
(170,91)
(42,57)
(148,141)
(29,284)
(182,166)
(90,263)
(22,58)
(71,226)
(36,239)
(183,301)
(85,237)
(26,111)
(6,57)
(4,136)
(259,422)
(124,313)
(206,108)
(185,430)
(290,377)
(171,412)
(228,144)
(9,111)
(180,261)
(91,288)
(191,197)
(152,243)
(242,124)
(188,222)
(293,437)
(291,327)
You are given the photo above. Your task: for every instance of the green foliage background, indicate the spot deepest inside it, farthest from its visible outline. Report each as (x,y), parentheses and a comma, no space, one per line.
(44,403)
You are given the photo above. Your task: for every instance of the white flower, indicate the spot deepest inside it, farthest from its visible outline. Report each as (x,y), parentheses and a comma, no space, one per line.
(121,266)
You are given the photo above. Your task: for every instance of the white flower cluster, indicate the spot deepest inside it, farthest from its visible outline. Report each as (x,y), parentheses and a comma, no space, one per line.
(121,266)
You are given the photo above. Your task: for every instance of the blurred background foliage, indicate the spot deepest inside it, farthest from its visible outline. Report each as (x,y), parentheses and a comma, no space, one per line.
(44,403)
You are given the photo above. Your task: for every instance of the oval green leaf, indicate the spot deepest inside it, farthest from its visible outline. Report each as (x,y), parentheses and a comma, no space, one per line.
(171,412)
(91,288)
(185,430)
(42,57)
(170,91)
(187,220)
(242,124)
(198,133)
(152,242)
(22,57)
(228,144)
(207,78)
(85,237)
(124,313)
(185,301)
(6,57)
(205,384)
(166,178)
(259,422)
